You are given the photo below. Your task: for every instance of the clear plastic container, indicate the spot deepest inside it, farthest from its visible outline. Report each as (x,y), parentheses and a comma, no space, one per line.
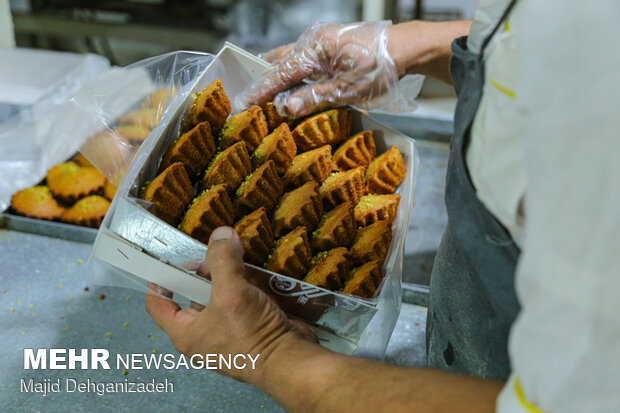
(134,247)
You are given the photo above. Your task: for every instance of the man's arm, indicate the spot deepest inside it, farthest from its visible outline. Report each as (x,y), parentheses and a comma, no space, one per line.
(419,47)
(298,373)
(304,377)
(354,63)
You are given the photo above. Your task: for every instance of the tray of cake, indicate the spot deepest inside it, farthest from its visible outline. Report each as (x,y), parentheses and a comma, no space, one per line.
(72,199)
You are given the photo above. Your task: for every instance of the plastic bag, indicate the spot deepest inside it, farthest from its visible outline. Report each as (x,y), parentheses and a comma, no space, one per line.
(119,92)
(37,133)
(127,104)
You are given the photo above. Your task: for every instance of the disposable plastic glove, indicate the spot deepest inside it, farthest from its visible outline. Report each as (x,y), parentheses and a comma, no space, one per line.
(349,64)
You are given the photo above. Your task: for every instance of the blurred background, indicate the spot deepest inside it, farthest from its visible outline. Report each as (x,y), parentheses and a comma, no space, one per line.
(127,31)
(45,45)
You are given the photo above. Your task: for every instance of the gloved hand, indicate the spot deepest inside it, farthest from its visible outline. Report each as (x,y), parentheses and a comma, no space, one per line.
(349,64)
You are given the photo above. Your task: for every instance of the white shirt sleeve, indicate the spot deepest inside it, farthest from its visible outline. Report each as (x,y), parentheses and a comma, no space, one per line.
(486,17)
(565,344)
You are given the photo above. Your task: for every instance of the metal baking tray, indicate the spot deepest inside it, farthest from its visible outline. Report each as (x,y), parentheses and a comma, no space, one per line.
(49,228)
(63,230)
(136,244)
(52,229)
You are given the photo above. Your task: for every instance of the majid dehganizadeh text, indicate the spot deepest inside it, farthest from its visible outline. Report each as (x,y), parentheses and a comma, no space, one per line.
(95,359)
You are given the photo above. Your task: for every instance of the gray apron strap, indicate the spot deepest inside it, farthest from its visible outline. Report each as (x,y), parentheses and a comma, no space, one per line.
(472,295)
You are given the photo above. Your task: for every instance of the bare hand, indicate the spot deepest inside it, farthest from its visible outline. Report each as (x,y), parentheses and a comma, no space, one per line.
(240,318)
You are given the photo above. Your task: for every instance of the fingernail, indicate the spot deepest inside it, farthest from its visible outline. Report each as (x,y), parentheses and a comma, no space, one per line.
(222,233)
(295,104)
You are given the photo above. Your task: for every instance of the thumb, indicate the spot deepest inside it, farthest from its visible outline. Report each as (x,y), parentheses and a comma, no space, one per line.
(225,257)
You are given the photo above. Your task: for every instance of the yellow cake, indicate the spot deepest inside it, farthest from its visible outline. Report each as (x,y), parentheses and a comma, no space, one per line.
(256,236)
(364,280)
(209,210)
(248,126)
(325,128)
(211,105)
(87,212)
(291,255)
(262,188)
(358,150)
(372,242)
(194,149)
(278,147)
(147,117)
(273,117)
(336,229)
(169,192)
(229,167)
(69,182)
(328,269)
(36,202)
(312,165)
(385,172)
(299,207)
(372,208)
(348,186)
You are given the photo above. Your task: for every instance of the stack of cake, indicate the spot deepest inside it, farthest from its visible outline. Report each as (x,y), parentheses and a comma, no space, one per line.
(75,192)
(307,199)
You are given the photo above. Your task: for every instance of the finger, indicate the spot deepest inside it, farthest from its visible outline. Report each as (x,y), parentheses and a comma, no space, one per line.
(196,306)
(288,72)
(317,96)
(308,99)
(225,257)
(167,314)
(274,54)
(203,270)
(192,266)
(152,288)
